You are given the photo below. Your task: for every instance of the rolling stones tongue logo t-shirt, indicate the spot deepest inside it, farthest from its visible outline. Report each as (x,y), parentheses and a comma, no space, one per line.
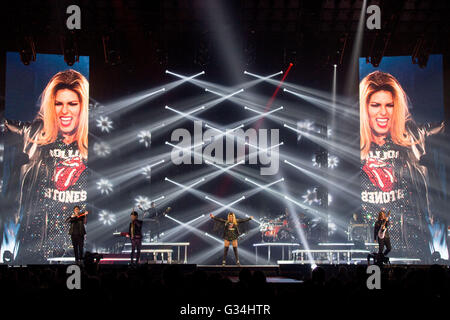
(67,172)
(384,184)
(63,184)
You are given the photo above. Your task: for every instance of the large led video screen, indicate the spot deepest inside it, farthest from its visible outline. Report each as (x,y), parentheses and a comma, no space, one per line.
(45,140)
(403,163)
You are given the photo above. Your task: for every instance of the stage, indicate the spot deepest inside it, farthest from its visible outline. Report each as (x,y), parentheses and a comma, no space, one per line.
(266,254)
(247,152)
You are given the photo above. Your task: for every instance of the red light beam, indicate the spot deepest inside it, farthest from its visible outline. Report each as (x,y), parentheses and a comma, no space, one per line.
(274,95)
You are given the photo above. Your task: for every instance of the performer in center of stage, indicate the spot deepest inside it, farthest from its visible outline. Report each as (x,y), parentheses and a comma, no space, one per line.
(230,233)
(135,235)
(77,232)
(381,232)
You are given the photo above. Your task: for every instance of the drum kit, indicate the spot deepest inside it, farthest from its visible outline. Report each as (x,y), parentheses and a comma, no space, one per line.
(276,230)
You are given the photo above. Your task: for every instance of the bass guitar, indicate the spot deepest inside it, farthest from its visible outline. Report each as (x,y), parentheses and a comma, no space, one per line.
(383,228)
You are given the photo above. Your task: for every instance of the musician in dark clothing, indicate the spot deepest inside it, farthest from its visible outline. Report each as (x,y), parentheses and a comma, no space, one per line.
(77,232)
(382,225)
(135,234)
(356,219)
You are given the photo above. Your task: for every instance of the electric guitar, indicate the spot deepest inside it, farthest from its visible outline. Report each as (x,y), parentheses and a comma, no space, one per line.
(383,228)
(82,214)
(167,211)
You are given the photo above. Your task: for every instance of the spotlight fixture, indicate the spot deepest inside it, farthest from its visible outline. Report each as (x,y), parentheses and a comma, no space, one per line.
(104,123)
(147,172)
(142,201)
(70,48)
(336,58)
(145,137)
(102,149)
(106,217)
(110,50)
(105,186)
(422,50)
(310,196)
(333,161)
(27,51)
(378,48)
(303,126)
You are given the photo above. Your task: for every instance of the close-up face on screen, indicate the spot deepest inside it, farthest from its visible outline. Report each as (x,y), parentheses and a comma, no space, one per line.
(228,159)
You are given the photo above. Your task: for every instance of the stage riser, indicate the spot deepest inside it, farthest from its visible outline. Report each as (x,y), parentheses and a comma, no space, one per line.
(269,271)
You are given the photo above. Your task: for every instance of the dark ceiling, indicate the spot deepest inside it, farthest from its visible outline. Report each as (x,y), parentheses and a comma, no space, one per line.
(289,19)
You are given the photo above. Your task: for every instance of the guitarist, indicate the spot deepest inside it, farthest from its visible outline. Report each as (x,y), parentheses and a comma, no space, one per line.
(381,232)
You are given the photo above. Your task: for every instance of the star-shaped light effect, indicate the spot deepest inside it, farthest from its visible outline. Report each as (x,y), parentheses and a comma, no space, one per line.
(95,105)
(145,137)
(304,125)
(107,218)
(333,161)
(104,123)
(105,186)
(332,228)
(147,172)
(102,149)
(310,196)
(329,132)
(141,201)
(314,161)
(96,109)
